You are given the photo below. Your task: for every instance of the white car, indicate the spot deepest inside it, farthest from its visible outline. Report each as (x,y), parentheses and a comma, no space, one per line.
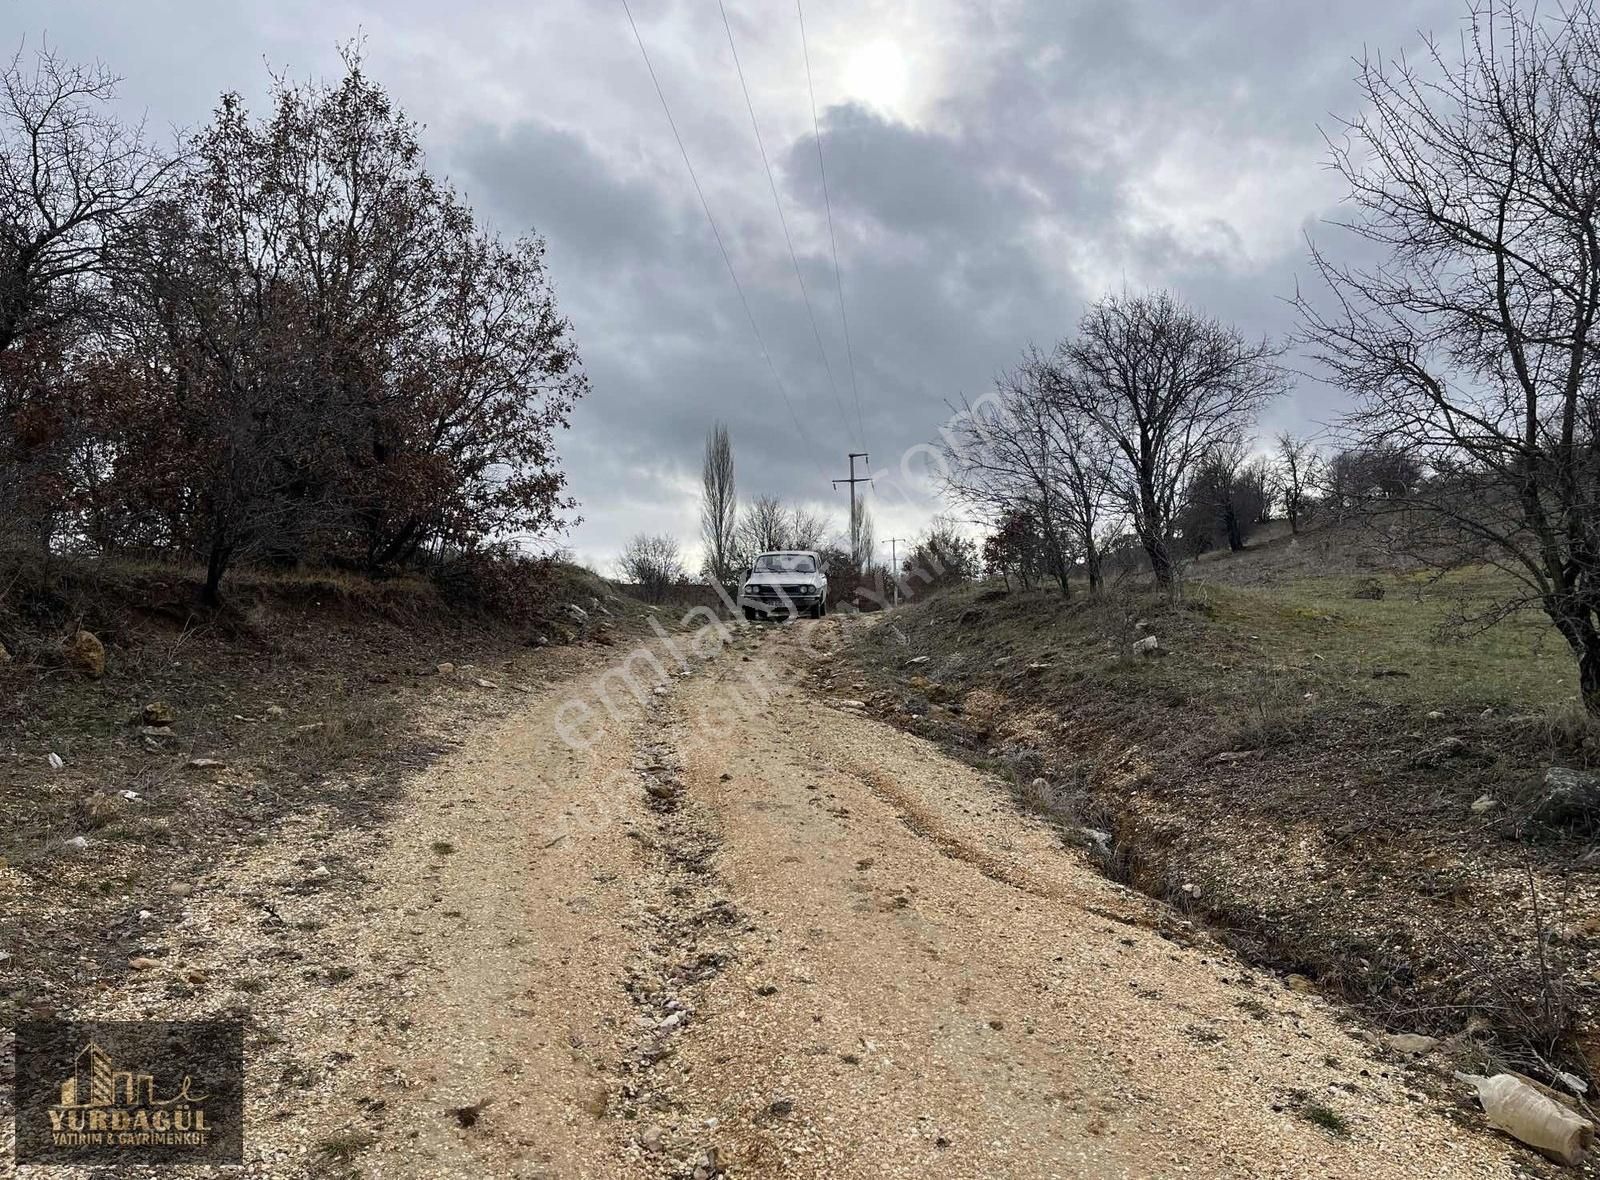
(788,582)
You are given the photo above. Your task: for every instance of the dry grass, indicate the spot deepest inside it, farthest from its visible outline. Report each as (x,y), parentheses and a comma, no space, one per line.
(303,687)
(1309,758)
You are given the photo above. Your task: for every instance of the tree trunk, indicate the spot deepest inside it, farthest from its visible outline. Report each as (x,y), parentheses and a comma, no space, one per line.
(216,566)
(1091,563)
(1160,560)
(1230,518)
(1589,678)
(1577,627)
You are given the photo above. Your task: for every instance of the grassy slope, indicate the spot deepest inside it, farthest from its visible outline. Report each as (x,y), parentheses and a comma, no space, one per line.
(1336,838)
(349,662)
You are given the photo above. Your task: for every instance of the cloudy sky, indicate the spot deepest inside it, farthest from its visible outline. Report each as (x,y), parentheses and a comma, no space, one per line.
(991,166)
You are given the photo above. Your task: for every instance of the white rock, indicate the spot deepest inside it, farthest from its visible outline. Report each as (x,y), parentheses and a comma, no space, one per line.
(76,843)
(1148,646)
(55,762)
(130,796)
(1411,1044)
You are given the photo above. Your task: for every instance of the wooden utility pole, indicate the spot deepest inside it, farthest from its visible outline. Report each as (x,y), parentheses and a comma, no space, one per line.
(894,564)
(855,556)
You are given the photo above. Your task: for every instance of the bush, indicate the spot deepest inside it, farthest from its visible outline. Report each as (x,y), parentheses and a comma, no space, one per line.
(499,582)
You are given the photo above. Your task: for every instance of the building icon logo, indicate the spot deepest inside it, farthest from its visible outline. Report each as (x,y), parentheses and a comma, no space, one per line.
(96,1084)
(129,1092)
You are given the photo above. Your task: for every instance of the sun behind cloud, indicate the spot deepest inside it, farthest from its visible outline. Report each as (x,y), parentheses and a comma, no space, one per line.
(878,75)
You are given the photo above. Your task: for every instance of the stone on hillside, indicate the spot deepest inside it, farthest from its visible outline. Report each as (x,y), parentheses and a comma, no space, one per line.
(1148,646)
(206,764)
(1483,803)
(445,669)
(158,713)
(156,736)
(87,654)
(1411,1044)
(76,843)
(54,760)
(1570,797)
(577,612)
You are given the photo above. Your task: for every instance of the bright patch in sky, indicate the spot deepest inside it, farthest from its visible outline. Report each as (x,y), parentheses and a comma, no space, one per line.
(877,75)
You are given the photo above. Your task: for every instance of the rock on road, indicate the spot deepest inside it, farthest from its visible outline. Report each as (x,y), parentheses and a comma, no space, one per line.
(747,932)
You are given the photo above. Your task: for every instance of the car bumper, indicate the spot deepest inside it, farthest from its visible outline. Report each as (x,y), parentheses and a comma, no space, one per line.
(792,604)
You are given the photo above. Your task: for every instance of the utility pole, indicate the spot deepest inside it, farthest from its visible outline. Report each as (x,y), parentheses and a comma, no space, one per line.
(855,556)
(894,564)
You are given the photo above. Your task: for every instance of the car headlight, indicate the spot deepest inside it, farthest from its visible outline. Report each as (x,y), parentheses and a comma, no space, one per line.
(749,587)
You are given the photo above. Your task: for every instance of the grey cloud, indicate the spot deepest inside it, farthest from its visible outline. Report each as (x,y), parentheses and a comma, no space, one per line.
(979,224)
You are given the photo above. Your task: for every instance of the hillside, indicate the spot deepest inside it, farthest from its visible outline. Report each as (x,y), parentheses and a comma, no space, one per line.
(208,732)
(1310,765)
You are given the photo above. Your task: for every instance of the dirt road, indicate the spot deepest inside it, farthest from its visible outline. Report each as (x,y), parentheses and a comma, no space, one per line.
(750,932)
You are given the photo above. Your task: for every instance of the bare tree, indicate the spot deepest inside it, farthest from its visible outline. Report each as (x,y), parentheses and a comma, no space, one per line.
(808,529)
(1164,384)
(652,563)
(861,542)
(763,527)
(72,177)
(1472,345)
(1019,451)
(1296,473)
(719,507)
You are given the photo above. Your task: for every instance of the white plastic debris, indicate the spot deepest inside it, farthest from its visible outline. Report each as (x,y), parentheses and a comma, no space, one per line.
(1523,1112)
(1573,1082)
(54,760)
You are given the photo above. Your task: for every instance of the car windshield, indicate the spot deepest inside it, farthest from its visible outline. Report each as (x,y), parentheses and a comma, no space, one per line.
(786,563)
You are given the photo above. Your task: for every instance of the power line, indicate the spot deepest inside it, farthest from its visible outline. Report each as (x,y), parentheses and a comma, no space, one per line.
(827,204)
(716,233)
(784,221)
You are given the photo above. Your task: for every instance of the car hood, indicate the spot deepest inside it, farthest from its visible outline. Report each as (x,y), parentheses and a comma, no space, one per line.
(762,578)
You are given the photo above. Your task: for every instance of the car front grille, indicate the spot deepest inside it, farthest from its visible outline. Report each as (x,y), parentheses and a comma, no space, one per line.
(787,591)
